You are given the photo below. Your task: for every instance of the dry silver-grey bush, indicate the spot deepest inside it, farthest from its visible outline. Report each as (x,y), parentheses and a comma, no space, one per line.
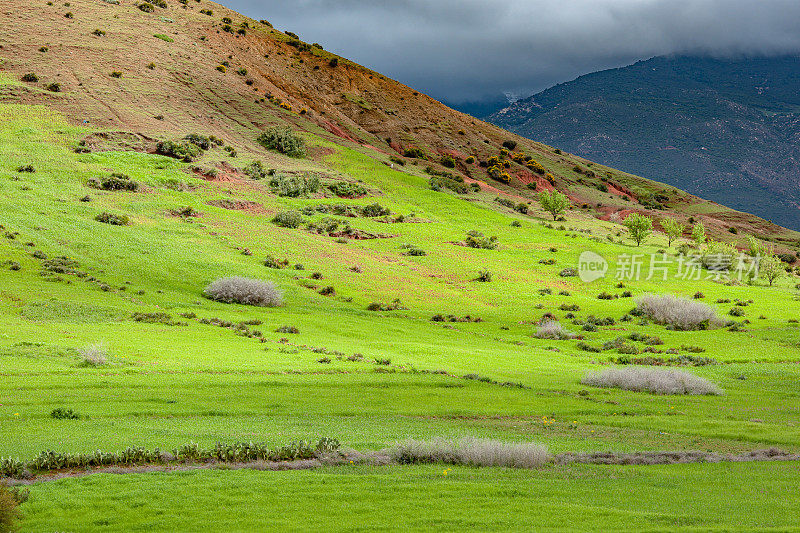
(653,380)
(550,329)
(680,313)
(245,291)
(471,451)
(93,355)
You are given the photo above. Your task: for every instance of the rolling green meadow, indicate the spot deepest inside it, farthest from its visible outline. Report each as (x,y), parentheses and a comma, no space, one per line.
(392,327)
(166,385)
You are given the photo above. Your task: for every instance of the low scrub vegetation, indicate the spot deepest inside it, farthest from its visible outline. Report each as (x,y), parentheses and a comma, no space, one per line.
(550,329)
(677,313)
(184,150)
(93,355)
(114,182)
(471,451)
(247,291)
(112,219)
(9,509)
(283,140)
(653,380)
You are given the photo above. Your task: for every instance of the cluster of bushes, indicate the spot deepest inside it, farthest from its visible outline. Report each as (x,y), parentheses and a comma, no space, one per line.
(113,219)
(394,306)
(413,250)
(114,182)
(414,152)
(257,171)
(369,211)
(681,360)
(441,182)
(344,189)
(246,291)
(294,186)
(454,318)
(283,140)
(475,239)
(48,461)
(506,202)
(184,150)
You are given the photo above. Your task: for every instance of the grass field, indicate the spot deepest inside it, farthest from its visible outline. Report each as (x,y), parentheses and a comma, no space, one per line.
(166,385)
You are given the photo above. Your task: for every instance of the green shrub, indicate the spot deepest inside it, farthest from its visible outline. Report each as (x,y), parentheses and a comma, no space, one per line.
(414,153)
(476,239)
(164,37)
(26,168)
(257,171)
(448,161)
(510,144)
(345,189)
(374,210)
(554,202)
(99,33)
(294,186)
(54,87)
(147,7)
(283,140)
(201,141)
(60,413)
(185,151)
(116,74)
(288,219)
(222,68)
(114,182)
(30,77)
(484,276)
(110,218)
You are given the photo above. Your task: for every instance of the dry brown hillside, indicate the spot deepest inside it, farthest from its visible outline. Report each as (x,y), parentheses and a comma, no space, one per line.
(198,66)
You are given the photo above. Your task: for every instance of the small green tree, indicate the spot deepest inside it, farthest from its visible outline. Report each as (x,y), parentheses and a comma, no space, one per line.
(699,234)
(639,227)
(754,247)
(673,229)
(771,268)
(554,202)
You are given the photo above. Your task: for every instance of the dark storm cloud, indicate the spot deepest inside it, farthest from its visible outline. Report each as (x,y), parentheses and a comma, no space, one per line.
(467,49)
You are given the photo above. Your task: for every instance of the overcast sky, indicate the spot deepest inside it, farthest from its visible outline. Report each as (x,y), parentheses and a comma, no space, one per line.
(458,50)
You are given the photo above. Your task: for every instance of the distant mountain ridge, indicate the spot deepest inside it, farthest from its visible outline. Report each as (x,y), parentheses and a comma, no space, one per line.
(724,129)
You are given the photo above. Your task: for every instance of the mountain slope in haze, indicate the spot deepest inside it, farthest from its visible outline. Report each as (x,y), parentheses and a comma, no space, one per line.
(724,129)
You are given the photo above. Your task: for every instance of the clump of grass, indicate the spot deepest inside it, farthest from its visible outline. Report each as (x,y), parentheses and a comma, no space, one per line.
(246,291)
(288,329)
(550,329)
(652,380)
(9,509)
(476,239)
(164,37)
(677,313)
(471,451)
(93,355)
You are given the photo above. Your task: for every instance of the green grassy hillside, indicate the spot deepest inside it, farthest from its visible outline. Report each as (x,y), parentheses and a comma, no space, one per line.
(183,368)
